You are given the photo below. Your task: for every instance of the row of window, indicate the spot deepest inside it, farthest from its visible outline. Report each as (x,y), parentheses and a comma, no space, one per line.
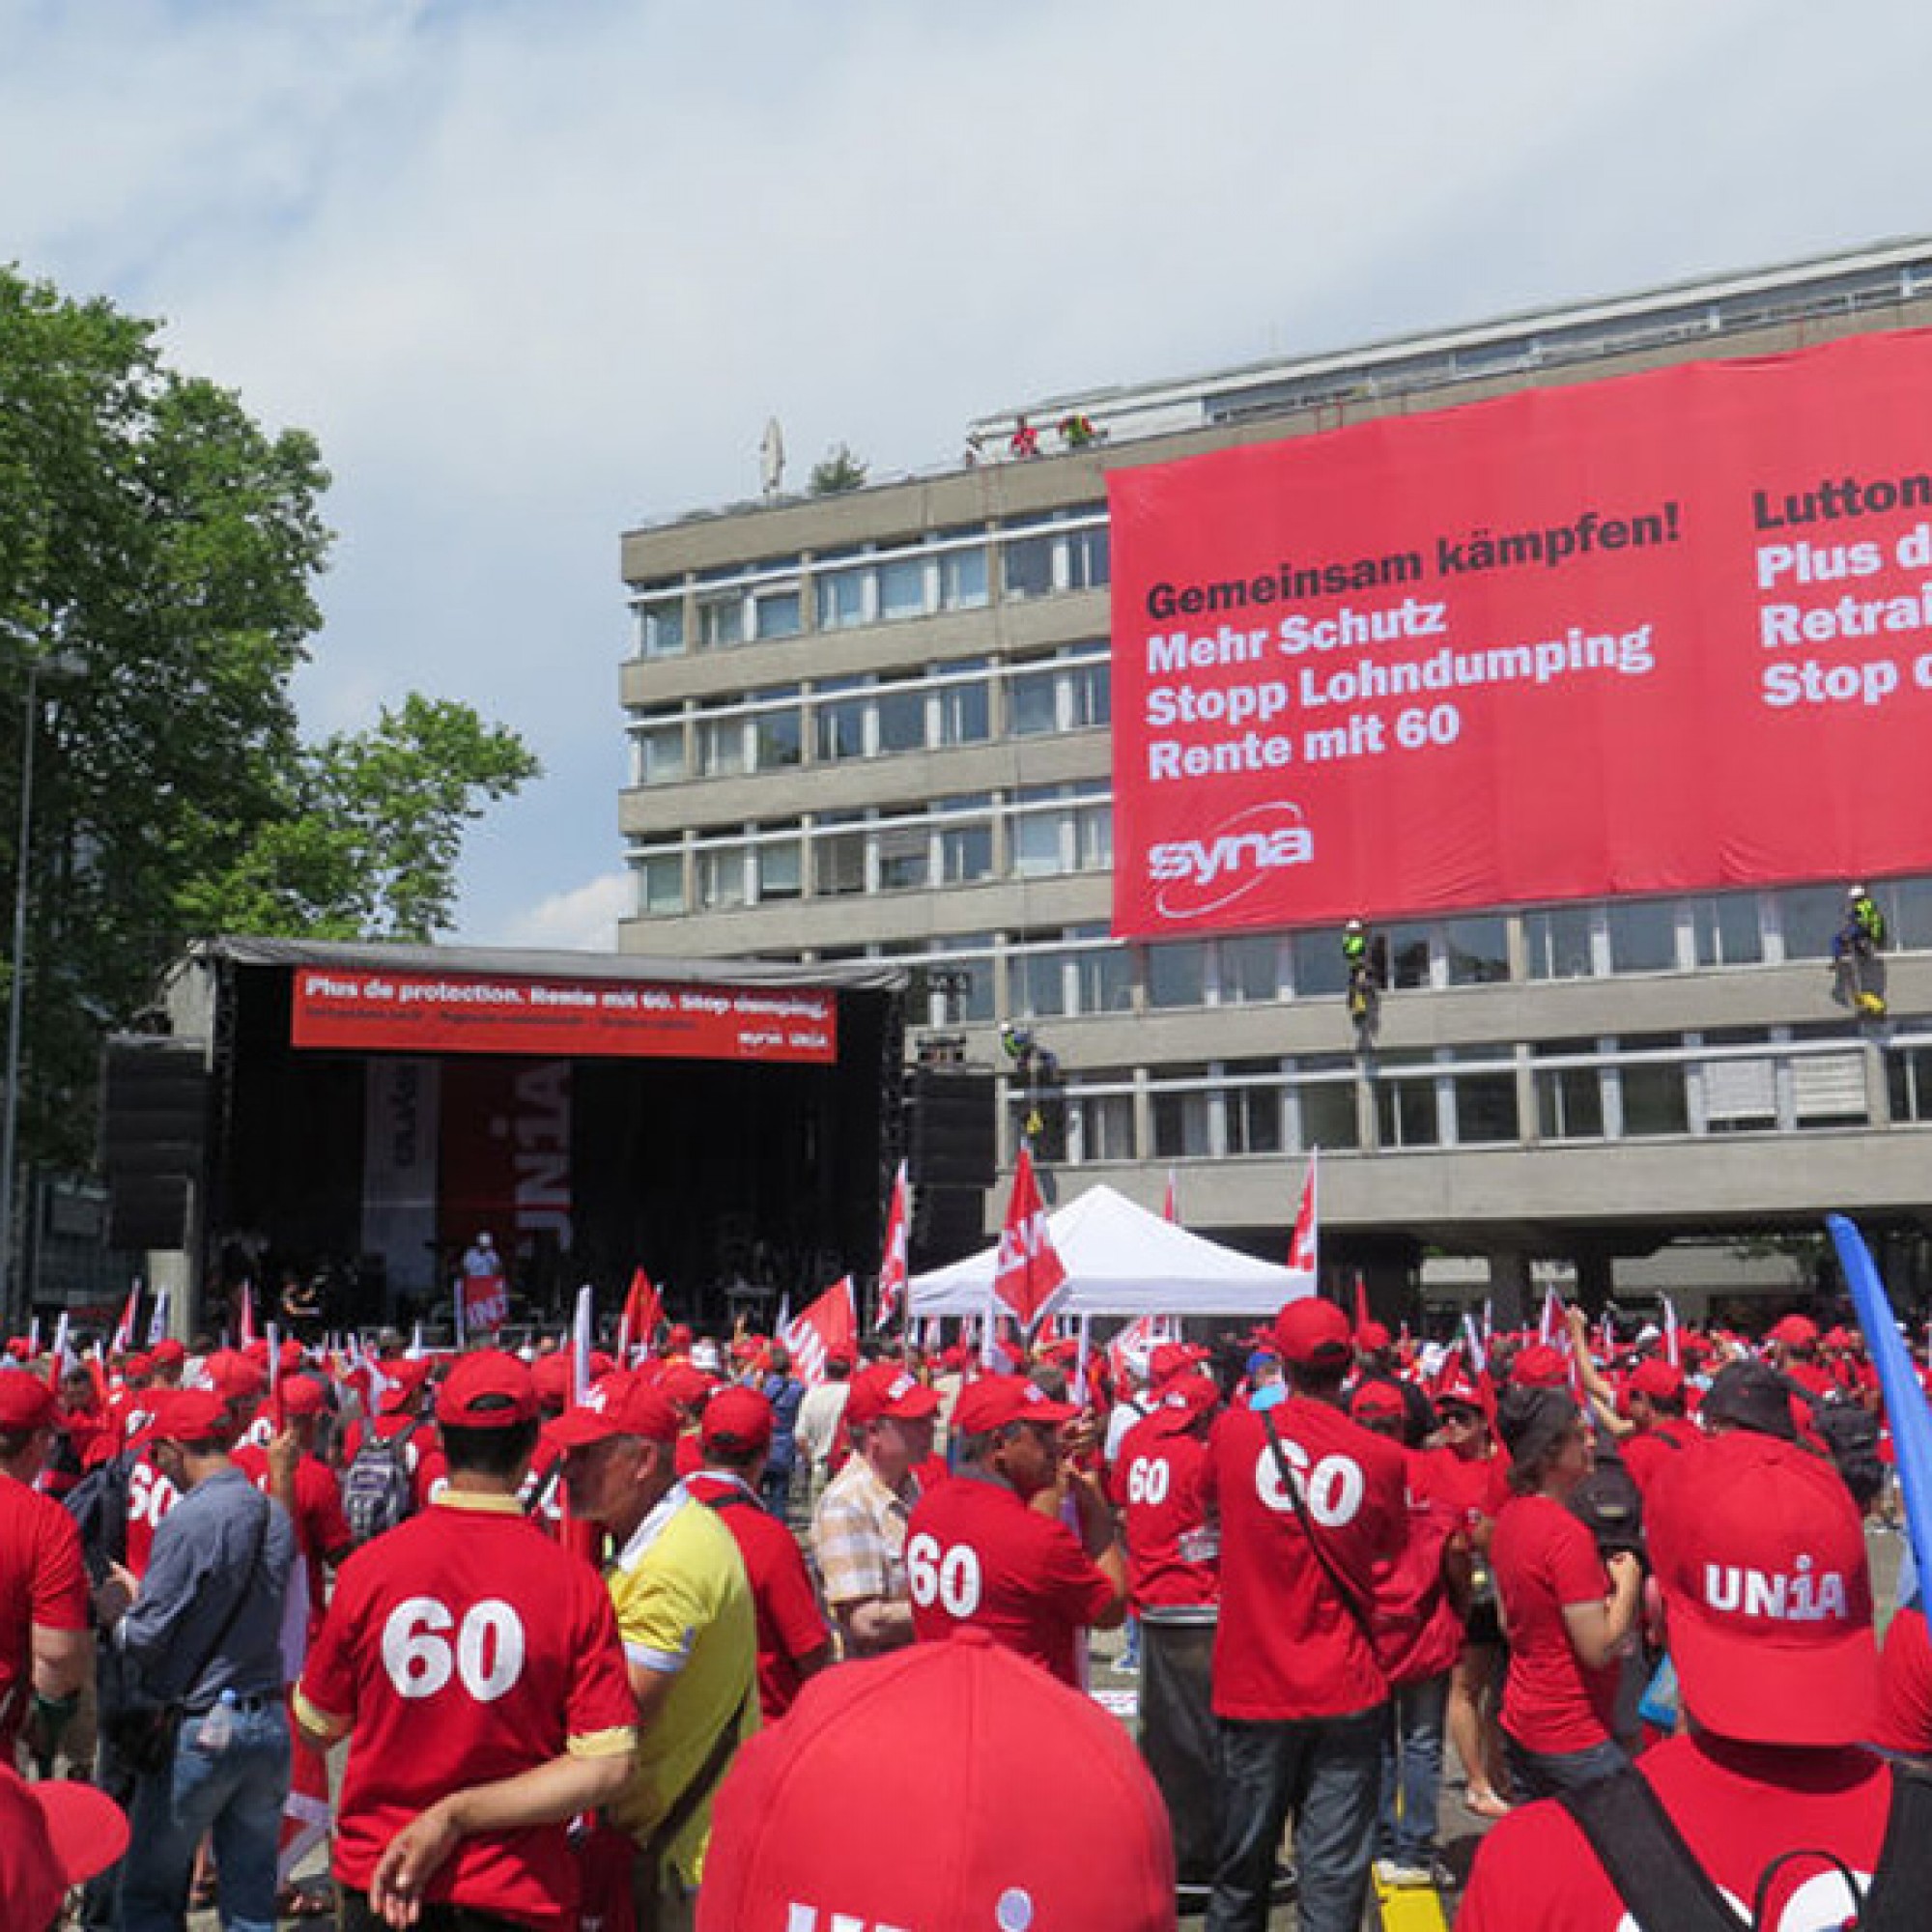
(973,701)
(950,570)
(1779,1080)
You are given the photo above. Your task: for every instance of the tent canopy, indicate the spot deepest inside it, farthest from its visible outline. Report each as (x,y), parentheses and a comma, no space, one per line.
(1120,1260)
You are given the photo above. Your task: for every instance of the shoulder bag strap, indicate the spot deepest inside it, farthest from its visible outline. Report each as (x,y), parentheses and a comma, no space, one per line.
(694,1793)
(1644,1856)
(1291,1485)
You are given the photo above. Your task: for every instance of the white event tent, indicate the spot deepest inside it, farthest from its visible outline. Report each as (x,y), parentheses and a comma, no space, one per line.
(1120,1260)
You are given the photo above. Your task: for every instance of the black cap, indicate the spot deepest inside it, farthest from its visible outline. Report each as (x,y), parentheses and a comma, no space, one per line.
(1750,1394)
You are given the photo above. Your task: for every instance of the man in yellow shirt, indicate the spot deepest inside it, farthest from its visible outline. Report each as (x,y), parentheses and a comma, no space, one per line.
(686,1619)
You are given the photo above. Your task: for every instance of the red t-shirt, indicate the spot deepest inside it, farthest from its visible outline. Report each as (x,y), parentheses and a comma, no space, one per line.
(1738,1806)
(1905,1687)
(977,1554)
(1467,1482)
(461,1647)
(1650,1452)
(150,1498)
(1288,1645)
(1542,1558)
(790,1623)
(1412,1596)
(44,1581)
(1157,1486)
(322,1530)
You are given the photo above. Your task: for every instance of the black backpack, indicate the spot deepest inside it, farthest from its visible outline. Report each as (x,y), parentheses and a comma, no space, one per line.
(1665,1889)
(376,1489)
(99,1505)
(1850,1432)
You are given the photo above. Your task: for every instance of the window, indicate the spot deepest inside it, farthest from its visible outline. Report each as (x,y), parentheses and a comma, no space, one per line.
(720,876)
(1908,1076)
(962,578)
(1058,829)
(658,749)
(963,975)
(838,728)
(966,844)
(1067,551)
(1486,1113)
(1407,956)
(1074,977)
(1250,970)
(905,857)
(1907,904)
(1477,951)
(1653,1095)
(1099,1126)
(839,854)
(776,613)
(903,589)
(781,868)
(1560,943)
(1406,1110)
(1072,691)
(1569,1099)
(661,624)
(1252,1112)
(777,733)
(963,702)
(1321,1101)
(901,721)
(842,597)
(1177,974)
(1643,935)
(1827,1089)
(1087,559)
(1726,931)
(1026,567)
(721,746)
(1105,978)
(1319,966)
(1182,1126)
(720,619)
(1738,1094)
(660,881)
(1810,916)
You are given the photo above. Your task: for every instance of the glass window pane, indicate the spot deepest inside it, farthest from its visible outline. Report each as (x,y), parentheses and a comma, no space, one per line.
(1486,1109)
(780,864)
(660,628)
(1089,696)
(1181,1126)
(1653,1099)
(1042,983)
(777,736)
(1102,1128)
(839,862)
(1326,1110)
(1478,950)
(966,853)
(1318,967)
(1031,701)
(661,755)
(1105,979)
(721,746)
(1560,943)
(1405,1113)
(962,578)
(660,882)
(1570,1104)
(1907,904)
(902,721)
(1643,935)
(1177,974)
(1727,929)
(1250,967)
(721,875)
(721,621)
(841,728)
(1254,1114)
(1094,837)
(1025,566)
(1087,559)
(777,614)
(842,597)
(1810,916)
(902,588)
(965,711)
(905,857)
(1407,944)
(1036,844)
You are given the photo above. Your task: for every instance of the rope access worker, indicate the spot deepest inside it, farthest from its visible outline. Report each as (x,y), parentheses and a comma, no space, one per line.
(1358,956)
(1856,944)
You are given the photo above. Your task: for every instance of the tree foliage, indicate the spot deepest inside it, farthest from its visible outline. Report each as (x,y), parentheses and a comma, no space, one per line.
(838,471)
(156,535)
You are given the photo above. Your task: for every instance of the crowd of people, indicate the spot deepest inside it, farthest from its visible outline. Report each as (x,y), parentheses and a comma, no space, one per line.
(677,1640)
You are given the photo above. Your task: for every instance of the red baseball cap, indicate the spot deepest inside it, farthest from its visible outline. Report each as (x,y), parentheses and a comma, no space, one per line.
(1760,1554)
(53,1835)
(167,1353)
(994,1401)
(233,1376)
(1172,1359)
(1311,1334)
(26,1401)
(302,1395)
(487,1389)
(736,1419)
(549,1375)
(957,1839)
(685,1384)
(1376,1399)
(620,1405)
(1654,1377)
(1795,1331)
(1540,1366)
(188,1415)
(1373,1336)
(1183,1401)
(886,1393)
(403,1381)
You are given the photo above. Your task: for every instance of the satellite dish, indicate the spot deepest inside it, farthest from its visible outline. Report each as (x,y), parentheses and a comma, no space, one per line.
(772,457)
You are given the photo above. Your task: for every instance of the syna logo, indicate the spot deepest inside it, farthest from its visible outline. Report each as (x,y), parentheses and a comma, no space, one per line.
(1193,878)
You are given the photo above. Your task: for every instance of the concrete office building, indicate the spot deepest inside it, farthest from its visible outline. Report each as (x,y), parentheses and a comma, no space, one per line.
(876,724)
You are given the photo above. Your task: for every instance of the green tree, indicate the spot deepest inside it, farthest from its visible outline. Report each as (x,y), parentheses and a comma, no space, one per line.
(836,472)
(159,539)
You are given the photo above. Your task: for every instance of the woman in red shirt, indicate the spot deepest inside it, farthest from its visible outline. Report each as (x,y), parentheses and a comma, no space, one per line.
(1566,1613)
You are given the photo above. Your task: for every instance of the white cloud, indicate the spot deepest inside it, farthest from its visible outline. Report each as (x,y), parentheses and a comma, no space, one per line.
(535,269)
(582,919)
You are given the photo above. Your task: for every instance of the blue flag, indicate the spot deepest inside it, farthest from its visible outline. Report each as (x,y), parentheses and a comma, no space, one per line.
(1898,1381)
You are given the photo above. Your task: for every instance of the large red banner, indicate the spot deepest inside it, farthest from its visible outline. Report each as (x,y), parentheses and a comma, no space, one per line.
(456,1013)
(1657,633)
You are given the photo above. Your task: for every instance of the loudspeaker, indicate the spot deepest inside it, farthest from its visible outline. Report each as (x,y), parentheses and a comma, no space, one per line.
(950,1127)
(153,1136)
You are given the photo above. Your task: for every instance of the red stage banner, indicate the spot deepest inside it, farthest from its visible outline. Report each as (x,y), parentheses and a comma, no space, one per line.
(459,1013)
(1663,633)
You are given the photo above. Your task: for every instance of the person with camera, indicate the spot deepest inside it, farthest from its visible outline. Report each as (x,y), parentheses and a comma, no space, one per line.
(1567,1611)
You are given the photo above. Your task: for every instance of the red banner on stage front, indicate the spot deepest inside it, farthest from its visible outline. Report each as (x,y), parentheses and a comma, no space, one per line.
(413,1013)
(1663,632)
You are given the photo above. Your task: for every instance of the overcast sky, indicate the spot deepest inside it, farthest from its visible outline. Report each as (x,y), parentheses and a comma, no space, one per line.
(534,270)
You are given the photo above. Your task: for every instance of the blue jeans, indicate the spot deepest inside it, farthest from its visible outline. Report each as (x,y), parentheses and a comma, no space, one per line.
(1325,1770)
(1412,1775)
(237,1795)
(1551,1773)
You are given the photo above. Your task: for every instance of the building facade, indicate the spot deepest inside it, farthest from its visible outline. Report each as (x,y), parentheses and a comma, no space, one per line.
(876,725)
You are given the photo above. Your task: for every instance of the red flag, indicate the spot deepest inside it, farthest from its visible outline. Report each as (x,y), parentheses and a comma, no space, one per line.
(247,1313)
(1029,1274)
(1362,1317)
(893,1271)
(830,1326)
(124,1329)
(1304,1244)
(637,1325)
(1170,1206)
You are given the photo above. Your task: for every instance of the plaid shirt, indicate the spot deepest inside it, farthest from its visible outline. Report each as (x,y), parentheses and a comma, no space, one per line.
(859,1535)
